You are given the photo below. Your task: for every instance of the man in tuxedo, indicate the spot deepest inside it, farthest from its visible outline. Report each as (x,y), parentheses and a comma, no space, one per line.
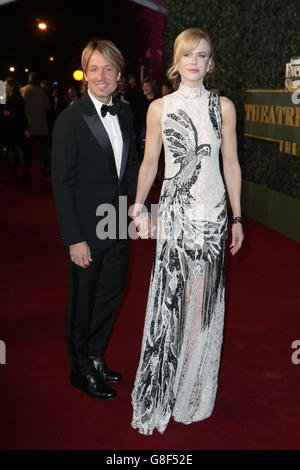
(94,161)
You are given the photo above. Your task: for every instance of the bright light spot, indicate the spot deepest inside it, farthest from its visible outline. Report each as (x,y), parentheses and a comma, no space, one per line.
(78,75)
(26,70)
(12,69)
(42,26)
(51,59)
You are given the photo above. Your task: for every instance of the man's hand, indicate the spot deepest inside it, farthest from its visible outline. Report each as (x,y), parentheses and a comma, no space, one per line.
(80,254)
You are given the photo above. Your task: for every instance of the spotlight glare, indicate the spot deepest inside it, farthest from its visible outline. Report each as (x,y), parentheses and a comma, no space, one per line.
(78,75)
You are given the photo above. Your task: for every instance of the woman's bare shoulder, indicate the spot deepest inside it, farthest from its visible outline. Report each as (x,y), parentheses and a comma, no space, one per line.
(226,103)
(157,104)
(227,106)
(156,108)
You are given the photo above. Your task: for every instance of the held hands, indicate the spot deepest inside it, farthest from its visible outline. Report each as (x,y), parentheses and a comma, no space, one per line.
(143,225)
(80,254)
(237,238)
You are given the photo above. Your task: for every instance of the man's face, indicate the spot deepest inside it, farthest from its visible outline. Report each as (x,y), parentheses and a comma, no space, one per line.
(101,77)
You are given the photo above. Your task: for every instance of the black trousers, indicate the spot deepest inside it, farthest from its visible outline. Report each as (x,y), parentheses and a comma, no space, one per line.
(43,141)
(94,297)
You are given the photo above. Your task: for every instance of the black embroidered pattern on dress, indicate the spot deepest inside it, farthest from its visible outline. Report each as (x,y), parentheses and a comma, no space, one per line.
(214,111)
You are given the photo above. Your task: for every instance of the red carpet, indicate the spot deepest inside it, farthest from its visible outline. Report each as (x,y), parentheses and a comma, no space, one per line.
(257,405)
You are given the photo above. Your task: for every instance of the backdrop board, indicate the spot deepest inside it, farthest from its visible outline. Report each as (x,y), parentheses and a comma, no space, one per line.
(274,115)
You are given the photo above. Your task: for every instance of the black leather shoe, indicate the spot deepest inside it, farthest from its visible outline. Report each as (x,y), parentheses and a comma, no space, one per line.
(93,386)
(104,373)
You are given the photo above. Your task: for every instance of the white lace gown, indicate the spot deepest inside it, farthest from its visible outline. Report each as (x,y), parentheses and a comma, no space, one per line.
(179,363)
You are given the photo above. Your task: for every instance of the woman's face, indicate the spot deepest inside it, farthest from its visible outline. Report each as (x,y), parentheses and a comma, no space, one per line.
(194,65)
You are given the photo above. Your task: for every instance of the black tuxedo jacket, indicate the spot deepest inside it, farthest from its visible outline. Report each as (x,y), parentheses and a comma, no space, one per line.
(84,173)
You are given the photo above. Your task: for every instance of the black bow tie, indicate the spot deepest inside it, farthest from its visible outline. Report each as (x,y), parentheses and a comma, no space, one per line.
(108,109)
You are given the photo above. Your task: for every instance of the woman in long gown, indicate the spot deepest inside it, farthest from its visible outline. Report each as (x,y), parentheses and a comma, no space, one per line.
(179,363)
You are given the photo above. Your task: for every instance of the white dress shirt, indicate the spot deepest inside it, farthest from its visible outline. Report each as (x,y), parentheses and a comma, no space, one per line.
(112,127)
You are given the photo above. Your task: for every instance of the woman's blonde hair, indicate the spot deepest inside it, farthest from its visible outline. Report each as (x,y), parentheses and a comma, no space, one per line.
(185,42)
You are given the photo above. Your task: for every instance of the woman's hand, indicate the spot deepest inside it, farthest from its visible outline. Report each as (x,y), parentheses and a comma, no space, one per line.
(143,225)
(237,238)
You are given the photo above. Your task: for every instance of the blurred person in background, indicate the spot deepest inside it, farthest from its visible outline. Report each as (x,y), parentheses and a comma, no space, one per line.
(166,88)
(57,105)
(37,105)
(135,96)
(46,87)
(123,89)
(16,126)
(73,95)
(149,87)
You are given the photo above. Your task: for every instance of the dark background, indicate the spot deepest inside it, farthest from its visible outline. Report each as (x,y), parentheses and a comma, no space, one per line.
(253,40)
(133,28)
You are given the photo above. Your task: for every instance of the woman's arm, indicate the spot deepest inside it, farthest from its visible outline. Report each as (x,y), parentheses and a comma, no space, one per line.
(148,169)
(231,169)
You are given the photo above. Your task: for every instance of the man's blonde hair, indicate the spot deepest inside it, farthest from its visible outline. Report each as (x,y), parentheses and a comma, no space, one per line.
(185,42)
(109,51)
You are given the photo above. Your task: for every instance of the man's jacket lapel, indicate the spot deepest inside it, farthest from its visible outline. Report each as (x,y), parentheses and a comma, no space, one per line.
(95,125)
(126,141)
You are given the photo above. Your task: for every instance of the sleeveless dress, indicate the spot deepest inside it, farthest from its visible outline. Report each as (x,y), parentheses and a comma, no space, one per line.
(179,363)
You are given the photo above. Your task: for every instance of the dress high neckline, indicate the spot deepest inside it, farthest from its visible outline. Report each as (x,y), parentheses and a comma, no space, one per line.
(191,93)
